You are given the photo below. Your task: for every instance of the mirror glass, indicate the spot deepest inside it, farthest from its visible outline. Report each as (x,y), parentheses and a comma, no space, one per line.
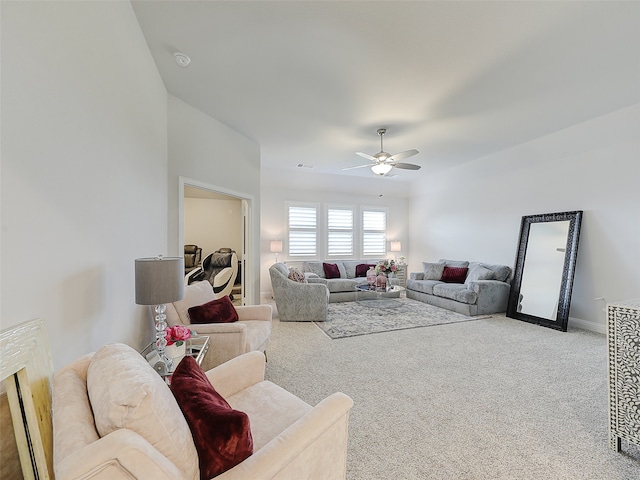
(544,270)
(543,266)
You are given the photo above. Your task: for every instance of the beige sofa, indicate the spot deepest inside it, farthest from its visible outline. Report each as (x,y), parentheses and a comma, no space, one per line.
(149,438)
(227,340)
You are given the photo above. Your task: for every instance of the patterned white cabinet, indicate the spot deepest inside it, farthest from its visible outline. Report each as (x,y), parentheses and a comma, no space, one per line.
(401,273)
(623,337)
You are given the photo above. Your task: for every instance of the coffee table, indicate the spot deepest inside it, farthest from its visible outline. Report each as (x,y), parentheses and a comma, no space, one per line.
(379,298)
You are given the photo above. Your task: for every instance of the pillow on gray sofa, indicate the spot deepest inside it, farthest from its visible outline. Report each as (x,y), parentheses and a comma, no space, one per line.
(432,271)
(500,272)
(454,263)
(314,267)
(478,272)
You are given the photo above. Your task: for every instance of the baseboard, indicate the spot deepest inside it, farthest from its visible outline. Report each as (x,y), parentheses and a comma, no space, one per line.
(588,325)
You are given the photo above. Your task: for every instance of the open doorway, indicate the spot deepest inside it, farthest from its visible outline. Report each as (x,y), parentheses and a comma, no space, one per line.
(214,218)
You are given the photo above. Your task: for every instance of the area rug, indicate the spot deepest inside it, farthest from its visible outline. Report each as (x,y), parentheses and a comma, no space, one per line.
(350,319)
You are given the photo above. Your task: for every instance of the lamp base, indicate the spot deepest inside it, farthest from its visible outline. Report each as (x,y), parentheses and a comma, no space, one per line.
(161,341)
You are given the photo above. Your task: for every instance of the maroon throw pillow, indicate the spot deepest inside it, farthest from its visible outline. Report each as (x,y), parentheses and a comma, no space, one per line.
(331,270)
(454,274)
(221,434)
(220,310)
(363,268)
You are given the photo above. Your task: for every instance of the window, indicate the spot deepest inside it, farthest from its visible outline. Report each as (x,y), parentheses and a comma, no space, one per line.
(374,232)
(339,231)
(303,231)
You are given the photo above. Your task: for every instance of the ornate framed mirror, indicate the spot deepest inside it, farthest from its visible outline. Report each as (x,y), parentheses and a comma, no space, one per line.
(544,270)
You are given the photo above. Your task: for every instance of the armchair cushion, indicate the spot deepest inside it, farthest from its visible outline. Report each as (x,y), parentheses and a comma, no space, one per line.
(221,434)
(126,393)
(220,310)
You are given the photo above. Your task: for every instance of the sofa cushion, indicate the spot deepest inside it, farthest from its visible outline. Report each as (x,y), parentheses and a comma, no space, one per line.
(454,263)
(344,284)
(432,271)
(362,269)
(314,267)
(221,434)
(220,310)
(500,272)
(454,274)
(478,272)
(197,293)
(331,270)
(126,392)
(455,291)
(424,286)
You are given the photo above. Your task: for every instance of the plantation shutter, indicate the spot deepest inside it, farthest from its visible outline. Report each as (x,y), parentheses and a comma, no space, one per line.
(374,232)
(340,231)
(302,231)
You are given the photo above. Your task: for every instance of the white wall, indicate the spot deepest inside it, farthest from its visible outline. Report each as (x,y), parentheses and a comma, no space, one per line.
(84,168)
(212,224)
(203,149)
(274,218)
(473,212)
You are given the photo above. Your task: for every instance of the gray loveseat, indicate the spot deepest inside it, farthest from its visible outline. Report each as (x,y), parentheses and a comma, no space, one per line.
(341,289)
(484,290)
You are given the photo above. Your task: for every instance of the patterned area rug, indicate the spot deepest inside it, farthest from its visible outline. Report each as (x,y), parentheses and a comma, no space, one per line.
(350,319)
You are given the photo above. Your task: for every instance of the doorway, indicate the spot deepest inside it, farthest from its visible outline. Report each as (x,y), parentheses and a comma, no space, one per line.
(212,218)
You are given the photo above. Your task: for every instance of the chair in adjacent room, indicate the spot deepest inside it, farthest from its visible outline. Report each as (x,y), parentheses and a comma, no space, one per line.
(192,257)
(220,269)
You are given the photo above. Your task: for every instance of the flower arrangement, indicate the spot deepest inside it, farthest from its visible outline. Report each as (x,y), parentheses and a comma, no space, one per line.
(386,267)
(177,334)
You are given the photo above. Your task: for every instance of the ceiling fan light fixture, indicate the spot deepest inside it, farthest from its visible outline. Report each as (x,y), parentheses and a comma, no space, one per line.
(381,168)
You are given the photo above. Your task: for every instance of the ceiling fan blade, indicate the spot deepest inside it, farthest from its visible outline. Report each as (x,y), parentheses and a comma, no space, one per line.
(358,166)
(367,156)
(405,154)
(406,166)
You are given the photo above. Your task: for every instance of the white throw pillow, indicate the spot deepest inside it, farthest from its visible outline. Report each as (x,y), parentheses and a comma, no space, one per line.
(125,392)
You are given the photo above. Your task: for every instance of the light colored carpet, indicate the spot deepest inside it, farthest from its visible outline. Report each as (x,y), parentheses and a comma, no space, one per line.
(489,399)
(348,319)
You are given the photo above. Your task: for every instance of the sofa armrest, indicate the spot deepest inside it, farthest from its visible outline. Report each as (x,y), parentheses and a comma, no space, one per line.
(313,447)
(238,373)
(122,454)
(222,277)
(416,275)
(317,280)
(255,312)
(493,295)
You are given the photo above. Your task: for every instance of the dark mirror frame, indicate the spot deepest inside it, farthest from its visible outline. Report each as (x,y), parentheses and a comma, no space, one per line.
(564,301)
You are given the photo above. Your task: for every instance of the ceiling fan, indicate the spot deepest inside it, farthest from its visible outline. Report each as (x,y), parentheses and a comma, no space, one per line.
(383,162)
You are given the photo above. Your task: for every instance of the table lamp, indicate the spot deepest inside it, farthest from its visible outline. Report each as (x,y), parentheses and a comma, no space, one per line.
(159,281)
(276,247)
(396,246)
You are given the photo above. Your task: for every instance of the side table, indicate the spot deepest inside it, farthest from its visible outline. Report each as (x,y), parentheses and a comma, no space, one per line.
(195,347)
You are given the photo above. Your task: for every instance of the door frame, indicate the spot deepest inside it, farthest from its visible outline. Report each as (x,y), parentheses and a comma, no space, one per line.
(246,273)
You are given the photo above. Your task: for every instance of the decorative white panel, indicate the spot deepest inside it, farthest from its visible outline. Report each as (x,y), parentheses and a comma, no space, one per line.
(623,333)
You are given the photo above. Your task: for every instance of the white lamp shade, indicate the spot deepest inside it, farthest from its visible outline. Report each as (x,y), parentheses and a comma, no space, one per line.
(275,246)
(159,280)
(396,246)
(381,168)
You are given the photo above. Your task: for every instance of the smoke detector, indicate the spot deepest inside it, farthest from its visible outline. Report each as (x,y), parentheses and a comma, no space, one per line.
(181,59)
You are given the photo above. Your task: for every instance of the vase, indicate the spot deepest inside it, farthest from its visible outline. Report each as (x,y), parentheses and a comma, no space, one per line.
(371,277)
(381,282)
(176,352)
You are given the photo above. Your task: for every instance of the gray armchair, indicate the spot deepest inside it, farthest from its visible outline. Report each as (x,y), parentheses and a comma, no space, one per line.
(298,302)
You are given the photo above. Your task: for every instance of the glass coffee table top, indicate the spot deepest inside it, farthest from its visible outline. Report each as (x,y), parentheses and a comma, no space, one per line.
(379,298)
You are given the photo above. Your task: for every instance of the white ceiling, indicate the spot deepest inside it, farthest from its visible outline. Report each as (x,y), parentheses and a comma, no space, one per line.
(312,81)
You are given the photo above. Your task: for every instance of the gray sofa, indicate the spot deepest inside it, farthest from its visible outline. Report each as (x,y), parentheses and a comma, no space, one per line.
(341,289)
(485,289)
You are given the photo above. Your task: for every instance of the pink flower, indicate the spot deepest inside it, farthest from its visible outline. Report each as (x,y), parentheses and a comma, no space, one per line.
(177,334)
